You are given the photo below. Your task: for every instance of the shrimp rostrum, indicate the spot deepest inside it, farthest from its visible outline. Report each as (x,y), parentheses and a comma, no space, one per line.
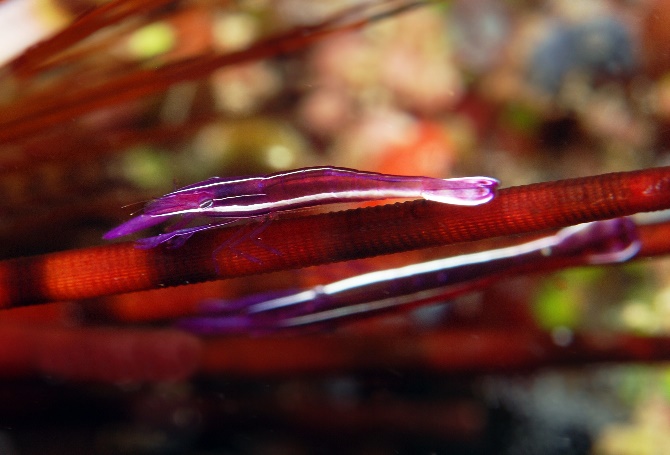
(222,201)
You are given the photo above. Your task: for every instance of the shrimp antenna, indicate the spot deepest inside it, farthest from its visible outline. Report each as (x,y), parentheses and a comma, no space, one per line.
(136,203)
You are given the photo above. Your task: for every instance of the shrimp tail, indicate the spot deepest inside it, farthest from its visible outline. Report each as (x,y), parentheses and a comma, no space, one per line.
(461,191)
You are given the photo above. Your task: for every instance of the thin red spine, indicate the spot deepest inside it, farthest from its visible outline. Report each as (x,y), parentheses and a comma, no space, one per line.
(336,236)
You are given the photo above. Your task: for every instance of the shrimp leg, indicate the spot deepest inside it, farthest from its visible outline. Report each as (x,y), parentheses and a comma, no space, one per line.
(178,237)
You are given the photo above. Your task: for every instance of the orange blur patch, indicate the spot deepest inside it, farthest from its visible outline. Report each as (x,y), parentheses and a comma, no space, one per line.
(194,33)
(427,151)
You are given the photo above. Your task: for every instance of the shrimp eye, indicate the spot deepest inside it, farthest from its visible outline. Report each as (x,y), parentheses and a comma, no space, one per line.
(207,203)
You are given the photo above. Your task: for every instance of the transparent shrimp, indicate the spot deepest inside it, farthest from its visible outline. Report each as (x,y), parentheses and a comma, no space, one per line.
(222,201)
(590,243)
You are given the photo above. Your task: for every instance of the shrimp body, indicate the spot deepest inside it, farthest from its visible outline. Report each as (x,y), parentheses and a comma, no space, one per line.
(591,243)
(257,196)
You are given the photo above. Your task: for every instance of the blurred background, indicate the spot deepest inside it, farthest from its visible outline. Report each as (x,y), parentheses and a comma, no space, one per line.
(92,124)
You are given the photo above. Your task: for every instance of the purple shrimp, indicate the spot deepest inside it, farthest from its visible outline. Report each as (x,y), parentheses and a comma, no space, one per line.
(232,199)
(590,243)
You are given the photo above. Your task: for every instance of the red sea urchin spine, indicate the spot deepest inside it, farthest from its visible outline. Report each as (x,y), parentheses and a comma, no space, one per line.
(330,237)
(44,110)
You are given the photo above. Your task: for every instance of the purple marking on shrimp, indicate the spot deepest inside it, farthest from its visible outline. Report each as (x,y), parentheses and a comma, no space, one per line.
(259,196)
(590,243)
